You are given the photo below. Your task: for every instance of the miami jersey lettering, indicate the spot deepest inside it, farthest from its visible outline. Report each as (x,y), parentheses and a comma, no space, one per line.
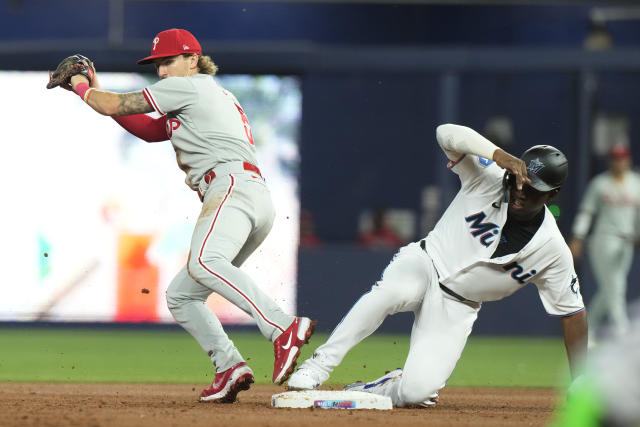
(486,230)
(516,272)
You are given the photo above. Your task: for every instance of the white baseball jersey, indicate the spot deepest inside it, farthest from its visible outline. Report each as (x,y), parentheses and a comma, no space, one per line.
(456,254)
(463,241)
(206,124)
(615,205)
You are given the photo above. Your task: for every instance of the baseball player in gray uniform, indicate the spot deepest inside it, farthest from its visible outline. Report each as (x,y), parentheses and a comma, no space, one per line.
(495,237)
(610,205)
(214,146)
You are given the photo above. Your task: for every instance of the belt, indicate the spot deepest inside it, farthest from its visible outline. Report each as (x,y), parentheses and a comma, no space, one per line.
(446,290)
(453,294)
(228,168)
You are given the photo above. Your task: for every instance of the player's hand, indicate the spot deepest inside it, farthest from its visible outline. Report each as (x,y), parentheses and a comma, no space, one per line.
(514,165)
(94,81)
(68,68)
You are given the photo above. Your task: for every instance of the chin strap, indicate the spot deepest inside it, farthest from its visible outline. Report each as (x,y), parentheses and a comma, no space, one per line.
(506,184)
(507,192)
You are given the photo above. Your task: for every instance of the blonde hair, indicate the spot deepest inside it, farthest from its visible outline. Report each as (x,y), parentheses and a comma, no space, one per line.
(206,65)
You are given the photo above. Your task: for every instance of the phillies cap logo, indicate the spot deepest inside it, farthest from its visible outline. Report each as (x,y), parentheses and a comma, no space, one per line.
(535,166)
(155,42)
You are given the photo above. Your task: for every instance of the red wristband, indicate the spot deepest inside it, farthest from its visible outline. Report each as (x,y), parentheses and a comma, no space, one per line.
(83,90)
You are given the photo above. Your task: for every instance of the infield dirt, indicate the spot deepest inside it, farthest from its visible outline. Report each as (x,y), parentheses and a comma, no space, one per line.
(158,405)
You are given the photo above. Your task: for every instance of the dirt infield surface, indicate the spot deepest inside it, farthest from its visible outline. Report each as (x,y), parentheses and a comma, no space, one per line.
(120,405)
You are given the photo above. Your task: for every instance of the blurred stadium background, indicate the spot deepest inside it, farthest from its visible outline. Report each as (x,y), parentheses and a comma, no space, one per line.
(344,97)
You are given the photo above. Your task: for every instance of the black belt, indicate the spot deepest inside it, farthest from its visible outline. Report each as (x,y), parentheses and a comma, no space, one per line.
(446,290)
(453,294)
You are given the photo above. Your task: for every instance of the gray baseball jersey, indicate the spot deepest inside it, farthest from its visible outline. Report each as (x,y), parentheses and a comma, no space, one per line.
(206,124)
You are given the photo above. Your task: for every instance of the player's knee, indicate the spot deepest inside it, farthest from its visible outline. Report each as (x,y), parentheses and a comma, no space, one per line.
(394,299)
(177,295)
(174,298)
(203,267)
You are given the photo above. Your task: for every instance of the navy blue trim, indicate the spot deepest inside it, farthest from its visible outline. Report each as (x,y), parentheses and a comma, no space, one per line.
(567,315)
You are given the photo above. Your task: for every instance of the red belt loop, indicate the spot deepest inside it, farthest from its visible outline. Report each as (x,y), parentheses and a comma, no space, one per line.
(253,168)
(211,175)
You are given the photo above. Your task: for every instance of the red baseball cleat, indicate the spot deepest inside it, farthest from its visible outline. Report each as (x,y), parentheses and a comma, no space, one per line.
(226,385)
(287,347)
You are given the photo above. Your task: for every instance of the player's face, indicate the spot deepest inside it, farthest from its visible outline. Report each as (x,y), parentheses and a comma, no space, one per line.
(619,165)
(174,66)
(526,203)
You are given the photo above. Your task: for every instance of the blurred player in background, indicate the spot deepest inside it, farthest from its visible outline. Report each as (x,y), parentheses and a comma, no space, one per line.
(381,235)
(608,393)
(610,210)
(214,146)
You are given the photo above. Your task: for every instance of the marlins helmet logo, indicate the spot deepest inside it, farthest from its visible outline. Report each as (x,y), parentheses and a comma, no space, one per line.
(535,165)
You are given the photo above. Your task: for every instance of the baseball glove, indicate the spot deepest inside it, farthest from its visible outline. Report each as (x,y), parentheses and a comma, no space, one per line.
(70,66)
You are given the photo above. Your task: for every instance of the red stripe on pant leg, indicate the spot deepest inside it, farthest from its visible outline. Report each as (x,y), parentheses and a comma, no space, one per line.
(217,275)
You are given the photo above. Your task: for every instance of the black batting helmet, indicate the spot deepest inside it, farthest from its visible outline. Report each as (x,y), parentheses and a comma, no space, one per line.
(547,167)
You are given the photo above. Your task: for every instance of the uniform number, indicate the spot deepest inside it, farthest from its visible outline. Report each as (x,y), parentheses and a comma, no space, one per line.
(245,122)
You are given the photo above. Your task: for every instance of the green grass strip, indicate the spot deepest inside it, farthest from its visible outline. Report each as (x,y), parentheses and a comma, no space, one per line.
(161,356)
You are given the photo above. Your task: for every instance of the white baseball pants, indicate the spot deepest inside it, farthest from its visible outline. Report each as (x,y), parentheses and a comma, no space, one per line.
(237,215)
(440,330)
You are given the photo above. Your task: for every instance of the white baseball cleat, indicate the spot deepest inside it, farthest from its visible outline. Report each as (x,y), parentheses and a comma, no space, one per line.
(380,385)
(376,386)
(309,376)
(432,400)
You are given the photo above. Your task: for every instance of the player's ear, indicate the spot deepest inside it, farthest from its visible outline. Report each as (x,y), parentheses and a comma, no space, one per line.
(553,193)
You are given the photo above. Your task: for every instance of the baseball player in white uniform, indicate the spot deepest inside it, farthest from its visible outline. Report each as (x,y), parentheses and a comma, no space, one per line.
(611,206)
(495,237)
(214,146)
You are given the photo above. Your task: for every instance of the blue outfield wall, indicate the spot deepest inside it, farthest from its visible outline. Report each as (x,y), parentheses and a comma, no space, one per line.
(332,278)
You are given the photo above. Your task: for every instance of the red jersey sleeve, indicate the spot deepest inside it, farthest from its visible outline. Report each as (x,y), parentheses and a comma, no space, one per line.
(145,127)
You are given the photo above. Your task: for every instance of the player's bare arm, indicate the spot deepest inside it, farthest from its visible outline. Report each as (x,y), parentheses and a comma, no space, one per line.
(574,328)
(114,104)
(576,246)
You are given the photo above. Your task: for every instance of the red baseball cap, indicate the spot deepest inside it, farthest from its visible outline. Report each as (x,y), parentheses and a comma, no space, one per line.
(171,43)
(619,151)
